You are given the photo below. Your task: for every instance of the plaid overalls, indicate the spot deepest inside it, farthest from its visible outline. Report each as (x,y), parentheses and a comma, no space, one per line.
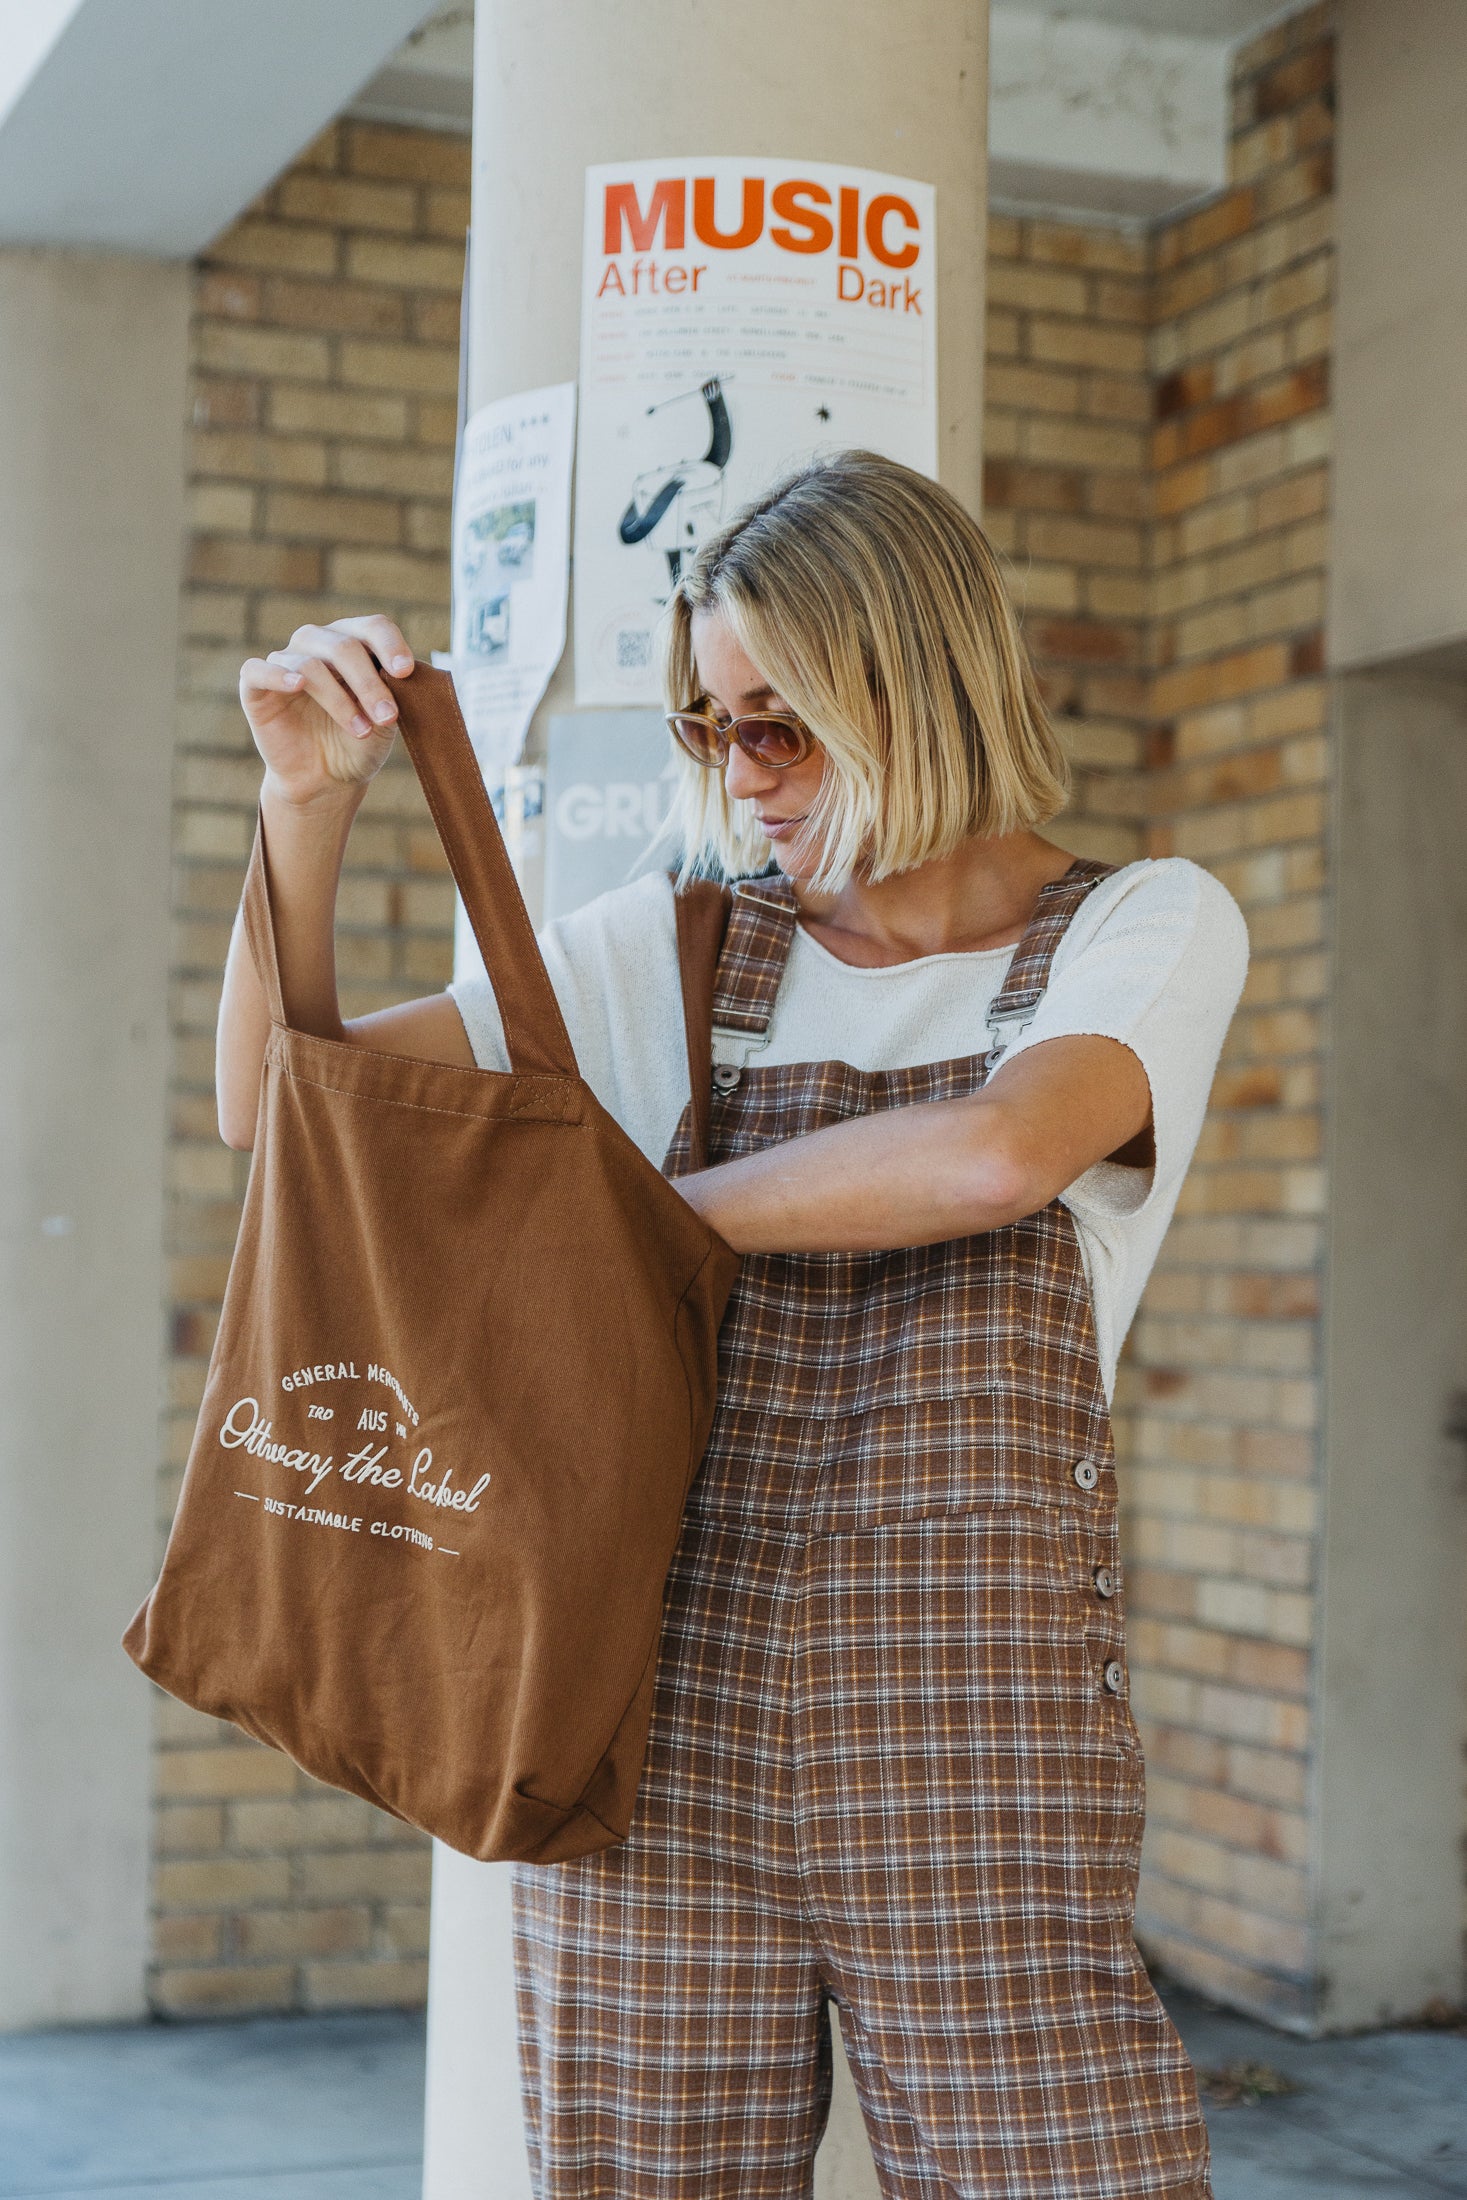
(892,1761)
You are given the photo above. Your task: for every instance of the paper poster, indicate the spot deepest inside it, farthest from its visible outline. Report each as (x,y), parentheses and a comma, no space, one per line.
(511,558)
(737,316)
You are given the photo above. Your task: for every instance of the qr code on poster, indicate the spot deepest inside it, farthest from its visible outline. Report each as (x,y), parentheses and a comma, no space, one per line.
(633,649)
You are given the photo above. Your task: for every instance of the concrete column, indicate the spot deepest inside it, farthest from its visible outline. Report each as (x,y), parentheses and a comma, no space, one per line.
(897,89)
(1392,1690)
(92,366)
(1391,1814)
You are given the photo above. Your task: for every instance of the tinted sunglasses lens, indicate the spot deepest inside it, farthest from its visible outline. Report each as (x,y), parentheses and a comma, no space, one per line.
(774,742)
(702,741)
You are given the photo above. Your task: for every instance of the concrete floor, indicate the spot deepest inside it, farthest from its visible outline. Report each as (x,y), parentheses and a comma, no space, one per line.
(329,2108)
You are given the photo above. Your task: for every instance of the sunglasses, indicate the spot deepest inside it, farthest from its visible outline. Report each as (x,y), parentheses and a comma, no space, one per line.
(771,738)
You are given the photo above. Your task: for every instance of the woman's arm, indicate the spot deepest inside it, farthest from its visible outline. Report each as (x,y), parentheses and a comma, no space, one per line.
(323,720)
(942,1169)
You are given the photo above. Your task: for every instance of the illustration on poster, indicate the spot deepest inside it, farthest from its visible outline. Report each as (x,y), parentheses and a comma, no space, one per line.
(674,508)
(737,317)
(496,547)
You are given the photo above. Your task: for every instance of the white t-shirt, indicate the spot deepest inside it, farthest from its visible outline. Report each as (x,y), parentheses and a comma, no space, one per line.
(1155,957)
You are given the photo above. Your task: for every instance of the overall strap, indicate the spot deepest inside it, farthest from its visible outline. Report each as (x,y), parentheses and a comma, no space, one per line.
(437,741)
(761,926)
(1017,1001)
(701,909)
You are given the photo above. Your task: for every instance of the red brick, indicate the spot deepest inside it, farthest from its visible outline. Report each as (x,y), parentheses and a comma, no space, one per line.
(1090,641)
(1008,483)
(1180,392)
(1290,83)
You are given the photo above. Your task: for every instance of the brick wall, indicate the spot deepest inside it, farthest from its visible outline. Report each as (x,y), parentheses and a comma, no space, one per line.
(1158,474)
(1067,496)
(1222,1390)
(324,409)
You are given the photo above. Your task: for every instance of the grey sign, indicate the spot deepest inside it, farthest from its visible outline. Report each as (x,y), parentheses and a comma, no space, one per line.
(609,779)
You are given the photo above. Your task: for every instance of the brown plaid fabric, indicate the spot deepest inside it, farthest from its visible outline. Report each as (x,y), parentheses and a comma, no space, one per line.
(892,1762)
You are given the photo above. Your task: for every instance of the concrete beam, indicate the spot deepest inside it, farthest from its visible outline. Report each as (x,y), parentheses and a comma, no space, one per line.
(1104,118)
(430,79)
(1391,1688)
(1398,570)
(145,128)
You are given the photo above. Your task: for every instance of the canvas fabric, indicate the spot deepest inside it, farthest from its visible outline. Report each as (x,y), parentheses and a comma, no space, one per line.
(464,1371)
(892,1762)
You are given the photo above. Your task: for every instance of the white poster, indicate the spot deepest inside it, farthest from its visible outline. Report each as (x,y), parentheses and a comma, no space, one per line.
(511,558)
(737,316)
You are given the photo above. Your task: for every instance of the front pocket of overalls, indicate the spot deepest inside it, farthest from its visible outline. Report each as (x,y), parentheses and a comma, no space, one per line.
(827,1335)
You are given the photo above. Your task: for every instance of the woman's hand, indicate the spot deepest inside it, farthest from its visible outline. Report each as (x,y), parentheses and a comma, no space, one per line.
(323,719)
(322,716)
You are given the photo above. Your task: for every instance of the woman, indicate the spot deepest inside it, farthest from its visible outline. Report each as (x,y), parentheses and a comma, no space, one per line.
(958,1081)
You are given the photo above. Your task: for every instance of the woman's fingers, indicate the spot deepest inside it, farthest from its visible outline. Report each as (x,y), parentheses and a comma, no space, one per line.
(383,637)
(269,675)
(319,681)
(353,668)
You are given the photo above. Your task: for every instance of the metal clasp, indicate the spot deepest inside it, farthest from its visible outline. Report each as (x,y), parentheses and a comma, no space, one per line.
(1020,1017)
(731,1051)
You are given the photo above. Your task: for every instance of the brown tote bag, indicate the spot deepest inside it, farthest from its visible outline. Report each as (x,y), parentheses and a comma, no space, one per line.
(465,1371)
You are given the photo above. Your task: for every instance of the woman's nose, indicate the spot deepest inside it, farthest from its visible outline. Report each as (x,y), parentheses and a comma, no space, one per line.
(742,776)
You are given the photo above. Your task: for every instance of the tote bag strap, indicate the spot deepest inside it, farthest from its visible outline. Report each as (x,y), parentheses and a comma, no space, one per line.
(702,909)
(434,735)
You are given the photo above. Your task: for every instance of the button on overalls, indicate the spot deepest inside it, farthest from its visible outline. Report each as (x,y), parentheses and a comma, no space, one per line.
(892,1761)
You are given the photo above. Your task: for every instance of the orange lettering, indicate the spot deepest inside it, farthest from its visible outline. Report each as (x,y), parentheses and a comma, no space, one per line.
(705,224)
(850,213)
(666,209)
(785,201)
(876,214)
(850,296)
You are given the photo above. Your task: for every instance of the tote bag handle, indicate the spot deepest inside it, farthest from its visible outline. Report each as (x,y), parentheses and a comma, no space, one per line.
(437,742)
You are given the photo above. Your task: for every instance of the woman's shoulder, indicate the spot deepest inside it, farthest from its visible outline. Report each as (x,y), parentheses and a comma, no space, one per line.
(1166,898)
(1160,935)
(621,936)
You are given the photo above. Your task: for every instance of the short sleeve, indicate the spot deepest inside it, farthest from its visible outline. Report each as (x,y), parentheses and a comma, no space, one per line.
(475,1002)
(613,965)
(1156,960)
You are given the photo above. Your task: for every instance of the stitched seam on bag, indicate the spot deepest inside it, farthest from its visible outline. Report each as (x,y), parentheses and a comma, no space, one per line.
(537,1093)
(451,1069)
(424,1107)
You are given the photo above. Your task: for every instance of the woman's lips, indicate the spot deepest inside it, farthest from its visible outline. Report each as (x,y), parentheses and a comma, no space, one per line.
(779,828)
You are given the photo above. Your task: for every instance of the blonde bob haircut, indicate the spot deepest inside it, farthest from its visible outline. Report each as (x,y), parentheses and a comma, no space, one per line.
(875,608)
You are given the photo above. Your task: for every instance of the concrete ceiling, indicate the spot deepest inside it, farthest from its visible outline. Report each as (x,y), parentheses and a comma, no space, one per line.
(1115,109)
(145,125)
